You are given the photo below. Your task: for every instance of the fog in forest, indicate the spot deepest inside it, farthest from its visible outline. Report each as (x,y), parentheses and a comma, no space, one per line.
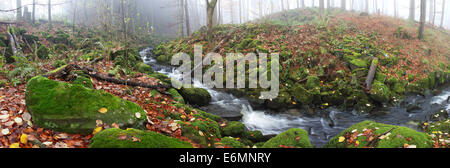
(164,16)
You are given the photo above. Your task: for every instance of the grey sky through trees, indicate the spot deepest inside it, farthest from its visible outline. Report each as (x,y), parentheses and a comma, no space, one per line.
(163,16)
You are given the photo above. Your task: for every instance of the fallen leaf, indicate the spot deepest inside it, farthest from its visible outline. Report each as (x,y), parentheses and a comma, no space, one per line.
(103,110)
(14,145)
(341,139)
(97,130)
(23,138)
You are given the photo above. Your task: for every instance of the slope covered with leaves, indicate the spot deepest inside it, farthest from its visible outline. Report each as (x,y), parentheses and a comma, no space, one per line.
(325,59)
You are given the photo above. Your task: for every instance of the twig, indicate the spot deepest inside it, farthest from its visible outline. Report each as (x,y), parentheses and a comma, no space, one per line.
(374,142)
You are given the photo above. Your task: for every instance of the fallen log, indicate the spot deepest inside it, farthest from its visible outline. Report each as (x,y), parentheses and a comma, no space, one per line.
(66,71)
(371,75)
(12,42)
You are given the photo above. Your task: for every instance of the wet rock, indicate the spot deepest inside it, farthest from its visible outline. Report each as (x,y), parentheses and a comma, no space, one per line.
(196,96)
(413,107)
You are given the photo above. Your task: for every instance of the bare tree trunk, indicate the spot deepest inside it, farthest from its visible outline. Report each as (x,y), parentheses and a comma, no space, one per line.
(434,11)
(443,12)
(430,15)
(303,3)
(395,9)
(328,4)
(181,21)
(321,6)
(74,3)
(423,10)
(34,12)
(367,6)
(343,4)
(282,5)
(298,4)
(188,23)
(210,6)
(412,10)
(287,4)
(50,14)
(19,10)
(240,11)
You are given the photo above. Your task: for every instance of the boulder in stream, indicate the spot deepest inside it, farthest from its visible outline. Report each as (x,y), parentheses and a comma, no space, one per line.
(196,96)
(73,108)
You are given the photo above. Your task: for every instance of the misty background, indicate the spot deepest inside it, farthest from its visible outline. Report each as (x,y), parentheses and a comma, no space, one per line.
(168,17)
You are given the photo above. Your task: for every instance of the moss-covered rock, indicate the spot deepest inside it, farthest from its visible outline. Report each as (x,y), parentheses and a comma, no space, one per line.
(133,138)
(71,108)
(201,131)
(302,95)
(196,96)
(358,63)
(126,57)
(380,92)
(143,68)
(358,100)
(176,96)
(43,52)
(372,134)
(312,82)
(234,129)
(231,142)
(86,82)
(293,137)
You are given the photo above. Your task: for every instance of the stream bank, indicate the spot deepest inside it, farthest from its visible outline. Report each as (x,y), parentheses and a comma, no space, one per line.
(325,124)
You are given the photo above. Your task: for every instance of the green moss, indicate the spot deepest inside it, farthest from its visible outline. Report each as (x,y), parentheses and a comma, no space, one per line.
(359,101)
(231,142)
(234,129)
(71,108)
(398,137)
(86,82)
(202,132)
(313,82)
(380,92)
(442,126)
(43,52)
(117,138)
(196,96)
(176,96)
(144,68)
(358,63)
(302,95)
(294,137)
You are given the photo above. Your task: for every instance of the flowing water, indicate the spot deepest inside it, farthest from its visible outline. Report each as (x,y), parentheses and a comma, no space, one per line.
(328,123)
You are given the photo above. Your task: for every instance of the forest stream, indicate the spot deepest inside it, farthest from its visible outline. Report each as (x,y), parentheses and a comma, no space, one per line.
(324,125)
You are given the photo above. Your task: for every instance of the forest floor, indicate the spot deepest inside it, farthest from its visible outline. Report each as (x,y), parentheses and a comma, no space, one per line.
(314,46)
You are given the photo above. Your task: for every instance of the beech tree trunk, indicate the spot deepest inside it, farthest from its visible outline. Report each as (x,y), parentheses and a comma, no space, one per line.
(343,4)
(50,14)
(443,12)
(412,10)
(188,23)
(423,10)
(321,6)
(210,6)
(34,12)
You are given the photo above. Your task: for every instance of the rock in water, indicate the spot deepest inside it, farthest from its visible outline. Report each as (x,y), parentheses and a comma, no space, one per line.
(196,96)
(71,108)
